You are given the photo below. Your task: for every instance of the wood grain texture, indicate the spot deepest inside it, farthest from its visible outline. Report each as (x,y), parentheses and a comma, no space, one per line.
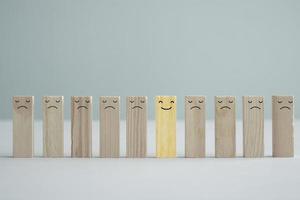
(283,126)
(165,126)
(195,126)
(253,126)
(53,126)
(109,126)
(23,111)
(81,128)
(136,126)
(225,123)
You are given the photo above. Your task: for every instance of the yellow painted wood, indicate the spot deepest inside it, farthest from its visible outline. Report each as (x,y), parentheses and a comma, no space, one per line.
(165,126)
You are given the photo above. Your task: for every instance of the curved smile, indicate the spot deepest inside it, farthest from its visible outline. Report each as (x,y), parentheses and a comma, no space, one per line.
(255,107)
(136,107)
(285,107)
(227,107)
(52,107)
(109,107)
(22,107)
(194,107)
(82,107)
(166,108)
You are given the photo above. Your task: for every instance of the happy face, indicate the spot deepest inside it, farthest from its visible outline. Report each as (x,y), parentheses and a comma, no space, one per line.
(136,102)
(225,103)
(82,103)
(110,103)
(23,103)
(53,102)
(195,102)
(166,103)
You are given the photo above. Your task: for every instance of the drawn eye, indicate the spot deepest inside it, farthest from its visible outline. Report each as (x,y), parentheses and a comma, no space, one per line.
(261,101)
(172,102)
(190,101)
(142,101)
(87,101)
(220,101)
(279,101)
(115,101)
(249,101)
(104,101)
(77,101)
(230,101)
(58,100)
(160,102)
(27,100)
(290,101)
(47,101)
(201,101)
(131,101)
(17,101)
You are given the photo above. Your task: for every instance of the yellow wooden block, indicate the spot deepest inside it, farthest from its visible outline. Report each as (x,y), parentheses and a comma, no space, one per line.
(165,126)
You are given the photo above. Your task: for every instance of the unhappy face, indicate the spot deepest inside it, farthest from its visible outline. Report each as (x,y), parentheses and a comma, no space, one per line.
(110,103)
(254,103)
(136,102)
(82,103)
(284,103)
(225,103)
(23,103)
(195,102)
(53,102)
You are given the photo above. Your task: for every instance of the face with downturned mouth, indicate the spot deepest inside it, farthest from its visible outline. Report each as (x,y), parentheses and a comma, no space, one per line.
(22,103)
(136,103)
(225,103)
(110,103)
(255,103)
(53,103)
(285,104)
(195,103)
(82,103)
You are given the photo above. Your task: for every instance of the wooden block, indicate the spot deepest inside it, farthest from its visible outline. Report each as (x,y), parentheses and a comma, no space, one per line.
(136,126)
(81,126)
(283,126)
(23,109)
(194,126)
(110,126)
(253,126)
(225,126)
(53,126)
(165,126)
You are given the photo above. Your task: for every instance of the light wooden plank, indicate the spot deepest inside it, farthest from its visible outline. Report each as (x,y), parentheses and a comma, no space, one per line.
(53,126)
(81,127)
(225,121)
(253,126)
(195,126)
(283,126)
(136,126)
(23,111)
(109,126)
(165,126)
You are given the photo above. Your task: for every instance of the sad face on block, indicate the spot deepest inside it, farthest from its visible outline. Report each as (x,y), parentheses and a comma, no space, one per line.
(110,103)
(23,103)
(82,103)
(226,103)
(284,103)
(195,103)
(53,102)
(166,103)
(136,102)
(254,103)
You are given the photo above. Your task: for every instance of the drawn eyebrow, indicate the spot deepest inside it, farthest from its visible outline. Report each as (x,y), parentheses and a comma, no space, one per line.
(230,101)
(131,101)
(201,101)
(279,101)
(27,100)
(261,101)
(17,101)
(115,101)
(290,101)
(47,100)
(104,101)
(171,101)
(160,102)
(220,101)
(57,101)
(249,101)
(88,101)
(142,101)
(190,101)
(77,101)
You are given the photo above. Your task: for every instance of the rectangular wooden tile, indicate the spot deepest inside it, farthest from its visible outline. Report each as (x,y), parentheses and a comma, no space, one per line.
(109,126)
(283,126)
(136,126)
(253,126)
(165,126)
(81,127)
(23,109)
(53,126)
(225,126)
(194,126)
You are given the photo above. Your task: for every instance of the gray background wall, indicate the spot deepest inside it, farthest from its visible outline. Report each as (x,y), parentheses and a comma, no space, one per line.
(148,47)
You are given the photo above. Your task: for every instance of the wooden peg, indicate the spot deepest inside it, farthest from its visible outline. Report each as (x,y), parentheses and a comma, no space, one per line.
(23,109)
(53,126)
(225,126)
(165,126)
(283,126)
(194,126)
(81,126)
(136,126)
(253,126)
(109,126)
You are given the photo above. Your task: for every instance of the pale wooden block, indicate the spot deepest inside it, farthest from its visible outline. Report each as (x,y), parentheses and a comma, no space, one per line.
(283,126)
(253,126)
(136,126)
(81,127)
(165,126)
(225,126)
(109,126)
(53,126)
(194,126)
(23,109)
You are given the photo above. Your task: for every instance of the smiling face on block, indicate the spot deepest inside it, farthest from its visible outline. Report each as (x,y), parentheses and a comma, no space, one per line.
(225,103)
(137,102)
(110,103)
(195,103)
(166,103)
(82,103)
(23,103)
(53,102)
(284,103)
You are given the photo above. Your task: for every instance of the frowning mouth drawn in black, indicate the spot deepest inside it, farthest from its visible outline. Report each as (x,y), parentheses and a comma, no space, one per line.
(255,107)
(22,107)
(195,107)
(136,107)
(106,107)
(283,107)
(82,107)
(52,107)
(227,107)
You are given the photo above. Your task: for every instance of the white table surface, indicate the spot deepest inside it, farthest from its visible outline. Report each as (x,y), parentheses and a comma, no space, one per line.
(150,178)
